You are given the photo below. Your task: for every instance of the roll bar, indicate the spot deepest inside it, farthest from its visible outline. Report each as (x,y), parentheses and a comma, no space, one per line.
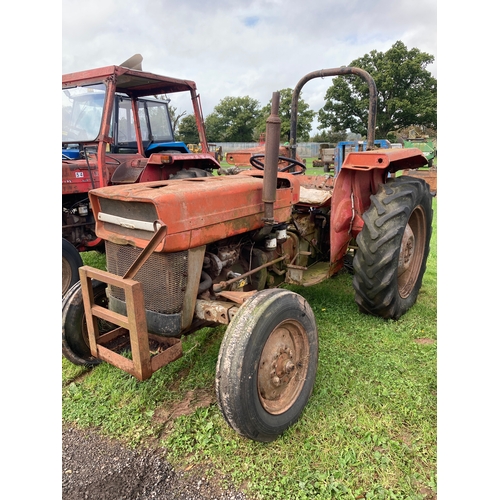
(346,70)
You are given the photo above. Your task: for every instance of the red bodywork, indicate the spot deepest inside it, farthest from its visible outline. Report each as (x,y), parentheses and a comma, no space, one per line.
(204,210)
(199,211)
(359,178)
(215,226)
(135,84)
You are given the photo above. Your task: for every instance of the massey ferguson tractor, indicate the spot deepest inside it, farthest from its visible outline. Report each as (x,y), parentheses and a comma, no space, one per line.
(185,252)
(113,128)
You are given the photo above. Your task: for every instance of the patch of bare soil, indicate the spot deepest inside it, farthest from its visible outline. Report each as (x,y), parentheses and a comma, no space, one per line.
(192,401)
(425,341)
(97,468)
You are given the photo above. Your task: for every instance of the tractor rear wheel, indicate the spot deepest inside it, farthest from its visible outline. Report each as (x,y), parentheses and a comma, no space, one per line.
(393,247)
(71,261)
(267,364)
(75,340)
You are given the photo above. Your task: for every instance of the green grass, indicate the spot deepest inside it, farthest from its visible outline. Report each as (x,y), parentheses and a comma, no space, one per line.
(368,431)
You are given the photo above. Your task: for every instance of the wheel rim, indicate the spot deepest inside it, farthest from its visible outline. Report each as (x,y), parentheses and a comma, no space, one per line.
(282,367)
(411,254)
(66,275)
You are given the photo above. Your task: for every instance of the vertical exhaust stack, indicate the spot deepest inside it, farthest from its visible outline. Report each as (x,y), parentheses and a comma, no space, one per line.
(273,130)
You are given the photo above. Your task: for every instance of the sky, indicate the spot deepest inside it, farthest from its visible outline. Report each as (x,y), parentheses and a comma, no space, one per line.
(250,48)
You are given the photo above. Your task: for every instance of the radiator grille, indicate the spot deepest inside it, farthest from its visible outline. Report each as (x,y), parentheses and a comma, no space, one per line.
(163,276)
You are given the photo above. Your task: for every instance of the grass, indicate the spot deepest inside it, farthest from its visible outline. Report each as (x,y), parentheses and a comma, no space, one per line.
(368,431)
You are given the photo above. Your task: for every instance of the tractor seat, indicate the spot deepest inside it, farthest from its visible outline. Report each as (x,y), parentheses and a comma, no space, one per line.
(311,196)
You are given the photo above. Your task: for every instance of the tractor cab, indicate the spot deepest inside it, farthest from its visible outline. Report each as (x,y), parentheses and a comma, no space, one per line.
(115,130)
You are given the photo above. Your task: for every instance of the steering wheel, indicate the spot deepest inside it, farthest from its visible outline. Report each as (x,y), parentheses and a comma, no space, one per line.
(256,163)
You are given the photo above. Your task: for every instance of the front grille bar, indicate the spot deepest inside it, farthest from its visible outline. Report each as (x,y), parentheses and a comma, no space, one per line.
(127,223)
(143,364)
(161,232)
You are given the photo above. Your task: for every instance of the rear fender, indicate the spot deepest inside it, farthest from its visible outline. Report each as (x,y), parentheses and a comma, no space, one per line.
(359,178)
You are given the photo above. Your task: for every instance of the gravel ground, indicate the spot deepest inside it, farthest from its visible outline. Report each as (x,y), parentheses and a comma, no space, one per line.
(97,468)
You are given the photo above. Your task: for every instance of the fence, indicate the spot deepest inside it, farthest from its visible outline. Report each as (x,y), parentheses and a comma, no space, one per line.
(304,149)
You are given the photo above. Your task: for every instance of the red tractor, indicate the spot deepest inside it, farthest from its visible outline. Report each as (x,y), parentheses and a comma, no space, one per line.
(194,252)
(115,132)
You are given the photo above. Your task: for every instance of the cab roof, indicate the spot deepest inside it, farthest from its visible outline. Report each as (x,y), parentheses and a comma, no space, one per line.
(135,83)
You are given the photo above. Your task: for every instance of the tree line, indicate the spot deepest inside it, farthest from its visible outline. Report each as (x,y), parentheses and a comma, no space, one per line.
(406,97)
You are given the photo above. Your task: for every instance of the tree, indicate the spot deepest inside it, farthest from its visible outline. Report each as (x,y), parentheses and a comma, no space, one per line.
(188,132)
(329,135)
(172,111)
(233,120)
(406,93)
(305,117)
(174,117)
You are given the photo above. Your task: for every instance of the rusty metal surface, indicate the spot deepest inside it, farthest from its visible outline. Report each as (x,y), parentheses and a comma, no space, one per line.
(372,107)
(159,236)
(391,159)
(412,252)
(237,297)
(223,284)
(273,126)
(143,362)
(130,81)
(196,210)
(215,311)
(350,199)
(282,367)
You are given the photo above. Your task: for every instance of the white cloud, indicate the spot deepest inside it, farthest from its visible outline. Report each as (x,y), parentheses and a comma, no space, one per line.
(230,48)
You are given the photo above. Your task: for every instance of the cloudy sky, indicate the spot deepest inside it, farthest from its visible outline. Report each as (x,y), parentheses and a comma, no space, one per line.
(240,48)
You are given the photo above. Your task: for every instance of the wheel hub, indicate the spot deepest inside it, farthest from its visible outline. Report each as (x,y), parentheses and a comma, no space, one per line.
(412,251)
(407,250)
(280,366)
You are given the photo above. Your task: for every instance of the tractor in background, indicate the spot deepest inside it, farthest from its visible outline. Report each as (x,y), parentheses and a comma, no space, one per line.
(115,132)
(156,131)
(429,150)
(333,158)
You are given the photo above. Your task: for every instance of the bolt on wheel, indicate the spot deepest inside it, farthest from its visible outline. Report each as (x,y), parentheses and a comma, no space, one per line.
(282,367)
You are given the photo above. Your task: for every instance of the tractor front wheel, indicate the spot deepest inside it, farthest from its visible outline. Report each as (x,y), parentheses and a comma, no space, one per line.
(267,364)
(75,339)
(393,247)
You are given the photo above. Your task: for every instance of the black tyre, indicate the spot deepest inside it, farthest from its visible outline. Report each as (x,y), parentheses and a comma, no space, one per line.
(393,247)
(267,364)
(75,340)
(71,261)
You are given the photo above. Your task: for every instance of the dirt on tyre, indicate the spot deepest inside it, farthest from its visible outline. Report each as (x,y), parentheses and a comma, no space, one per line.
(71,261)
(75,342)
(393,247)
(267,364)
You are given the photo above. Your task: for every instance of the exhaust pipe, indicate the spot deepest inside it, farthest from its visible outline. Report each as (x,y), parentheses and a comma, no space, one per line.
(273,130)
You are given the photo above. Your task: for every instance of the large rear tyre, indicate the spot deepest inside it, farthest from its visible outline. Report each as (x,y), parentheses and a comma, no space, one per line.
(75,339)
(71,261)
(267,364)
(393,247)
